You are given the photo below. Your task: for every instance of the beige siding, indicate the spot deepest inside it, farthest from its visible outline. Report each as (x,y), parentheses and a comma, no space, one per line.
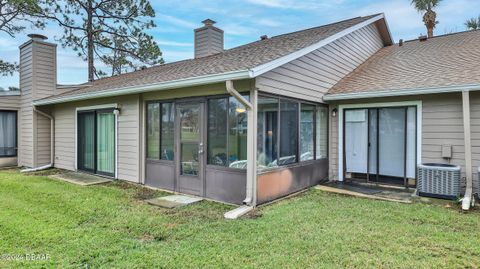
(25,130)
(442,124)
(42,142)
(204,90)
(37,80)
(9,102)
(333,145)
(128,148)
(311,76)
(208,41)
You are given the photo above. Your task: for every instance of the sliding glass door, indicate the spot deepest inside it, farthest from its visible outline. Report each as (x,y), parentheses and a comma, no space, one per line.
(105,143)
(96,142)
(380,144)
(86,141)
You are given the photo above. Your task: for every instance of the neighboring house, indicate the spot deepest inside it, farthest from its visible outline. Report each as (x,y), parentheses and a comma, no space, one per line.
(257,122)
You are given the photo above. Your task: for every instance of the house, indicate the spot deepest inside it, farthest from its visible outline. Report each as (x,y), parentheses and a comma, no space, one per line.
(257,122)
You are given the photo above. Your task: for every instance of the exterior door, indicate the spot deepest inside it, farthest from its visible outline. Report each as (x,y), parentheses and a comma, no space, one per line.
(190,148)
(96,142)
(380,144)
(86,141)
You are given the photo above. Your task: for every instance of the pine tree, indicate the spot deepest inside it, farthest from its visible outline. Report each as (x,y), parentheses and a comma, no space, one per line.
(13,17)
(101,29)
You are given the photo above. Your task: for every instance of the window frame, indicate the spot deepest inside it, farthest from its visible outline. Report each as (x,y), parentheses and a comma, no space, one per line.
(159,102)
(300,102)
(227,129)
(16,133)
(327,150)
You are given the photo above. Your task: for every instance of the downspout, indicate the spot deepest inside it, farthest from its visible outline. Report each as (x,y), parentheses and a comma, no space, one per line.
(468,198)
(52,141)
(250,198)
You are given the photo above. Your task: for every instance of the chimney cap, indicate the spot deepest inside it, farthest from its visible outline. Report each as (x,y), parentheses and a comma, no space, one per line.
(264,37)
(209,22)
(37,37)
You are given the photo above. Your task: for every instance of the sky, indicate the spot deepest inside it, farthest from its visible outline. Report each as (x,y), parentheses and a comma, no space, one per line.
(245,21)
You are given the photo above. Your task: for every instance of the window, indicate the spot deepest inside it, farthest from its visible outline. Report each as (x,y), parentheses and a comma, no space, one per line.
(321,132)
(153,131)
(227,133)
(288,132)
(168,132)
(8,133)
(307,124)
(217,132)
(267,130)
(237,134)
(160,131)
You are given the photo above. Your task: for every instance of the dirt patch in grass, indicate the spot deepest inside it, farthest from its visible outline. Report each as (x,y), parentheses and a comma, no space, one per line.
(144,194)
(138,192)
(46,173)
(147,238)
(254,214)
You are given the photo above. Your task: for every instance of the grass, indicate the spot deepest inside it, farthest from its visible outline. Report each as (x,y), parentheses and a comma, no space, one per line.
(109,226)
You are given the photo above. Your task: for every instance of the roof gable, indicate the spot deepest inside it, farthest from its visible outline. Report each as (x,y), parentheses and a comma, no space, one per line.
(242,62)
(439,64)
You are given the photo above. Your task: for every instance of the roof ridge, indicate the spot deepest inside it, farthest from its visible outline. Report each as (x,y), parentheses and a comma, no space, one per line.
(446,35)
(230,49)
(326,25)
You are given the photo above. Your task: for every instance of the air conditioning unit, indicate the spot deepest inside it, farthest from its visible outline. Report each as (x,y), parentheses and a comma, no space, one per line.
(438,180)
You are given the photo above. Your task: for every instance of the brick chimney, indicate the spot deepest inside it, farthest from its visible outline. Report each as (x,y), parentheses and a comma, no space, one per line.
(38,79)
(208,39)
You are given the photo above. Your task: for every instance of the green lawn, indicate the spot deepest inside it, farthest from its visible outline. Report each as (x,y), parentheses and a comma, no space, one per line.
(109,226)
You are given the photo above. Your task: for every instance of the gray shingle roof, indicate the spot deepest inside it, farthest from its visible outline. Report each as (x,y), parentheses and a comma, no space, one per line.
(442,61)
(236,59)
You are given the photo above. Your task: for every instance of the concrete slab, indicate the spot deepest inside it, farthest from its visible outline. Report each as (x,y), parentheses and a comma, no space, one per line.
(383,195)
(173,201)
(81,178)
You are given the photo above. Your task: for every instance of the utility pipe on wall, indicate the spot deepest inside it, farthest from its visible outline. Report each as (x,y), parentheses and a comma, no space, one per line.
(467,199)
(52,143)
(251,107)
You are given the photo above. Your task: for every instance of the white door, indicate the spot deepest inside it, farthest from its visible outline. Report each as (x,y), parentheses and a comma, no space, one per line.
(356,141)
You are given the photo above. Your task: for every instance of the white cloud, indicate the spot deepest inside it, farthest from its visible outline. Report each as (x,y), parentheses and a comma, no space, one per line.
(269,22)
(176,21)
(174,44)
(293,4)
(238,30)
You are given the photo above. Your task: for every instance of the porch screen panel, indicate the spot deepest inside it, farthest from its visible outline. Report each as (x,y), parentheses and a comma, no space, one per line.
(106,142)
(391,142)
(8,134)
(217,132)
(411,141)
(237,134)
(307,113)
(288,132)
(356,140)
(267,132)
(153,131)
(167,132)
